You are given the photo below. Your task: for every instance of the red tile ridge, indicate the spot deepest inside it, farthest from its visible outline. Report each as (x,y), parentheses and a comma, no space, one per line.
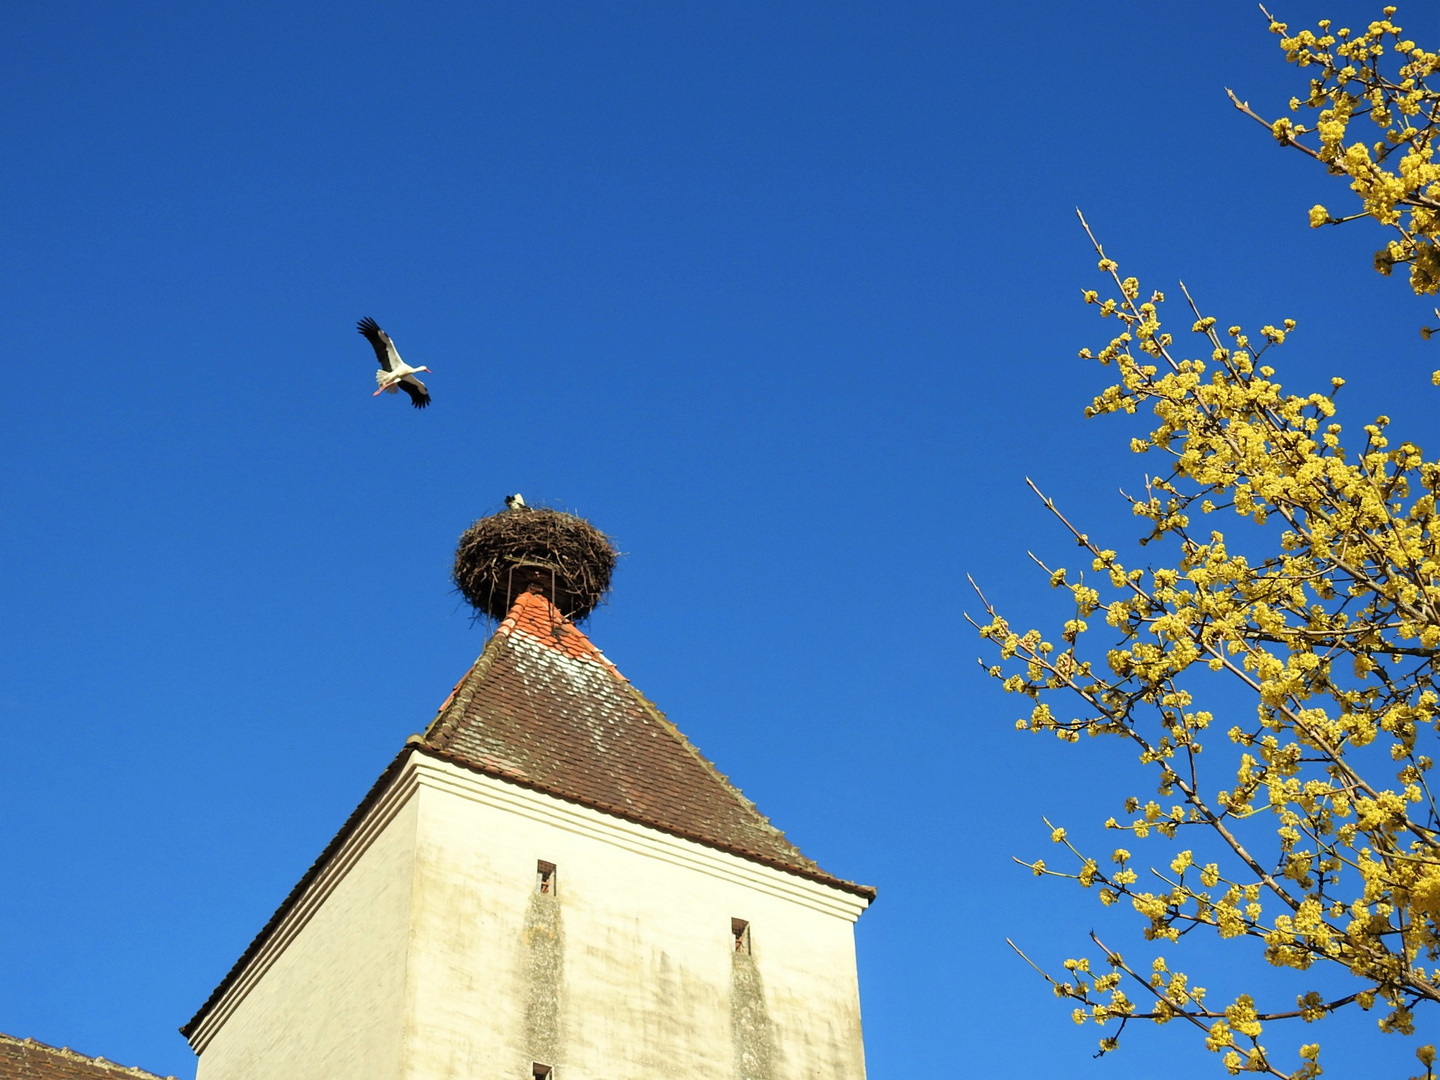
(66,1054)
(453,691)
(539,620)
(536,617)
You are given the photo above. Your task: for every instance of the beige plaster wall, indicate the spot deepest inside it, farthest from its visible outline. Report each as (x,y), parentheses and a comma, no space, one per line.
(425,953)
(326,1002)
(641,935)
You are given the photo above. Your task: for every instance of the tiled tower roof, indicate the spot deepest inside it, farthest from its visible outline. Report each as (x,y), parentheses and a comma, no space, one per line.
(543,707)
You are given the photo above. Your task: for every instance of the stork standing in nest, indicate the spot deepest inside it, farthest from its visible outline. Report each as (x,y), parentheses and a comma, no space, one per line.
(394,373)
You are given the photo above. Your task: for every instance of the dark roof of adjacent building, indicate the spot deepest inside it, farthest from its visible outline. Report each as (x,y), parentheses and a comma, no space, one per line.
(544,709)
(26,1059)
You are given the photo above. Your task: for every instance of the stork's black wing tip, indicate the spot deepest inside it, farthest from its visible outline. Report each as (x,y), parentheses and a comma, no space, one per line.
(367,326)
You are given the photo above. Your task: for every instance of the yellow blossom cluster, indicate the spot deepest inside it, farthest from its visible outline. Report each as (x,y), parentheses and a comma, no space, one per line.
(1371,115)
(1308,832)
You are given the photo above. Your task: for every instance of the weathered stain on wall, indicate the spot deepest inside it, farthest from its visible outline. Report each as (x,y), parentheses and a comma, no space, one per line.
(749,1020)
(543,968)
(677,1007)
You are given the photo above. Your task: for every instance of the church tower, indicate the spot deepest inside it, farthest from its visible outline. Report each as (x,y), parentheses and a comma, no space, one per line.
(550,882)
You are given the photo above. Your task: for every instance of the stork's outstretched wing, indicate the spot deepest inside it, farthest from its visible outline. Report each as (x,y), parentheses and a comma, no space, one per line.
(380,341)
(419,396)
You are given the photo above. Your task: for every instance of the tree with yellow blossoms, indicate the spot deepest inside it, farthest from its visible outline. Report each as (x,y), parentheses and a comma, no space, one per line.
(1302,829)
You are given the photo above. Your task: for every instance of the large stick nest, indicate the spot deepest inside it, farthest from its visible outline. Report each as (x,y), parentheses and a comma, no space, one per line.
(501,556)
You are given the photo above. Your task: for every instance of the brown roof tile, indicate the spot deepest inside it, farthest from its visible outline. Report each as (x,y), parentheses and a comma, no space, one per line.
(544,707)
(26,1059)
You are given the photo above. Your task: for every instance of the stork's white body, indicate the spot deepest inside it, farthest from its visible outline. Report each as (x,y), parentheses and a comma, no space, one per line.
(394,373)
(389,381)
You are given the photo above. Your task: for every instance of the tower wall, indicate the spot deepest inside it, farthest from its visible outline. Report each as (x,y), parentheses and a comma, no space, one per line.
(425,950)
(629,970)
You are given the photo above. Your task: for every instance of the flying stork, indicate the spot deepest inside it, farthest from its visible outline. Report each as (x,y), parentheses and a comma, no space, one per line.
(394,373)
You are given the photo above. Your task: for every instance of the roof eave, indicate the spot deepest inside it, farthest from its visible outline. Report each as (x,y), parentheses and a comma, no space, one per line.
(866,892)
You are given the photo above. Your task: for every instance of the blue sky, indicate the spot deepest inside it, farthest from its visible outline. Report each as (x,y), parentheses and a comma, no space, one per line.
(784,296)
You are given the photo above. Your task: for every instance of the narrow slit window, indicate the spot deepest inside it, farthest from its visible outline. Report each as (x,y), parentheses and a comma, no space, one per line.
(541,1072)
(740,930)
(545,883)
